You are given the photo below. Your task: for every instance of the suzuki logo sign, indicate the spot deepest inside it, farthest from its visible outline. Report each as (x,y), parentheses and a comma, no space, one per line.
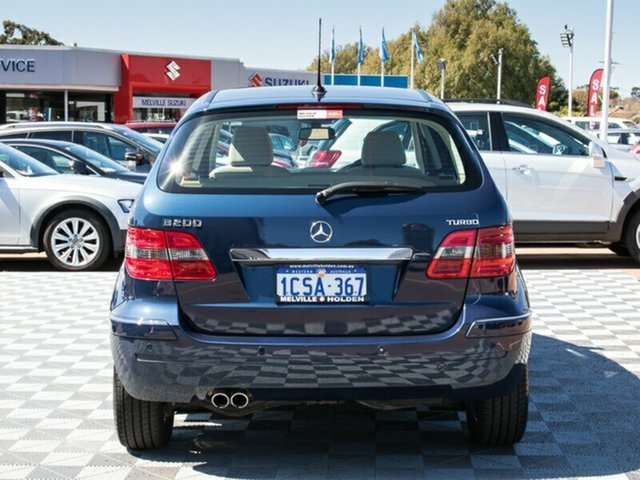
(255,80)
(266,80)
(173,70)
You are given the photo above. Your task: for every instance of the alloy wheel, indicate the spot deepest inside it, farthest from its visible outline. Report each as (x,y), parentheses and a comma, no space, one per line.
(75,241)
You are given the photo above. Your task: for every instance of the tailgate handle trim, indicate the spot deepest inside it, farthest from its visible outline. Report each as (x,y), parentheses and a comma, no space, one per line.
(270,255)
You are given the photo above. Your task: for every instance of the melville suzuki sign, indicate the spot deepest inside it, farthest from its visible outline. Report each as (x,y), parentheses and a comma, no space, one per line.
(21,65)
(162,102)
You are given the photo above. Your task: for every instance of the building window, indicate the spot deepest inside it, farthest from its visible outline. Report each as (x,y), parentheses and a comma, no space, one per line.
(34,106)
(43,106)
(89,107)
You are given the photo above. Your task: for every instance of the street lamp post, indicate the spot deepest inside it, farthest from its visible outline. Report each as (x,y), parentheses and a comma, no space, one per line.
(606,77)
(498,62)
(567,41)
(442,66)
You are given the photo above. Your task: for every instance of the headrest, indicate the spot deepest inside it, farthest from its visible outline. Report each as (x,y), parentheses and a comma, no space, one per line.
(250,146)
(382,149)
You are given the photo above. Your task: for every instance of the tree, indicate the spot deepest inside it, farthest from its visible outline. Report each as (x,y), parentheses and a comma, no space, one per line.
(466,33)
(18,34)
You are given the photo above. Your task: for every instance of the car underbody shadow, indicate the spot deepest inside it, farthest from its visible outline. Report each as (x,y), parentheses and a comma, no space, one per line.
(583,421)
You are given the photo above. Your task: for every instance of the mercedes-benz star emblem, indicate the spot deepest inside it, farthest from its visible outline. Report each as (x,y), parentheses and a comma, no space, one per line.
(320,232)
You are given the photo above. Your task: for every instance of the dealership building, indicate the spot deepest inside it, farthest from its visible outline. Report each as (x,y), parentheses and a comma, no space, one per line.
(87,84)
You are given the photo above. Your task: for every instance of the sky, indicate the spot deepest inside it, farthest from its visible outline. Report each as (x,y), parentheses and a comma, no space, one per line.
(283,33)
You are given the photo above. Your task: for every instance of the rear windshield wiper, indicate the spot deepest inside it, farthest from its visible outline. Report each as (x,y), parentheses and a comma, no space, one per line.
(364,188)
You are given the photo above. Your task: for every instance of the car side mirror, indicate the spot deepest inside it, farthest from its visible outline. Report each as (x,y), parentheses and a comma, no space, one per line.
(79,168)
(597,155)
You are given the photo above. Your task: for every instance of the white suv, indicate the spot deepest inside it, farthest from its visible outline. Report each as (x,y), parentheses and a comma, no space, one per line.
(562,184)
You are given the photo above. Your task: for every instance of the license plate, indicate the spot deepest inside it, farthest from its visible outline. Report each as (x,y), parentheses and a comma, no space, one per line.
(321,284)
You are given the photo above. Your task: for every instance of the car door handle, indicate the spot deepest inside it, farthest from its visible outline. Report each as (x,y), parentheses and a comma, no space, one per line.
(524,169)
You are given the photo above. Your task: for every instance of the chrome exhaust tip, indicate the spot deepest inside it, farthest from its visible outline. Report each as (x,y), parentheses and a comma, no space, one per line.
(220,400)
(239,400)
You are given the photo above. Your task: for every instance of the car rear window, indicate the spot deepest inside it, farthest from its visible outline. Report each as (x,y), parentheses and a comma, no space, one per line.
(244,153)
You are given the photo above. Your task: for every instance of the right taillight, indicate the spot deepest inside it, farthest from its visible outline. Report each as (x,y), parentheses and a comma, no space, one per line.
(324,158)
(486,252)
(166,255)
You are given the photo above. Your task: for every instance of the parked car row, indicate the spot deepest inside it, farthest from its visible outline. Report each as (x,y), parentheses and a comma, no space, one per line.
(79,221)
(561,182)
(117,142)
(64,189)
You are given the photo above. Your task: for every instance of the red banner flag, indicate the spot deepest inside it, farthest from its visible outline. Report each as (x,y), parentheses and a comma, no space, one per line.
(594,89)
(542,93)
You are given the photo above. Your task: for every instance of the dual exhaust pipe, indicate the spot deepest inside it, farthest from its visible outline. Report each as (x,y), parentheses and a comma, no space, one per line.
(223,400)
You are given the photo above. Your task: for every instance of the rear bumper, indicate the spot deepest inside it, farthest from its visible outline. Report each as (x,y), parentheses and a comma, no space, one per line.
(480,356)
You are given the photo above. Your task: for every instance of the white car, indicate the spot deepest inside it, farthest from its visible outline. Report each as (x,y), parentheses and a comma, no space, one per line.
(593,123)
(79,221)
(621,132)
(562,183)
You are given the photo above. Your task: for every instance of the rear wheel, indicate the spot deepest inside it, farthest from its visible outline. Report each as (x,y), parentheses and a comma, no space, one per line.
(140,424)
(632,237)
(500,420)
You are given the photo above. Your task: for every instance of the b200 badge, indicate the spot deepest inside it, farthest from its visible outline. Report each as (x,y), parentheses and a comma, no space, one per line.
(182,222)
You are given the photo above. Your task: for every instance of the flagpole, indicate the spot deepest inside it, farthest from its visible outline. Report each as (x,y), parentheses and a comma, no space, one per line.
(333,56)
(360,52)
(412,59)
(383,47)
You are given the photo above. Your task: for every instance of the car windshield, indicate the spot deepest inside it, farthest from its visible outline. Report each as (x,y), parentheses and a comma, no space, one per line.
(23,163)
(148,143)
(213,153)
(96,159)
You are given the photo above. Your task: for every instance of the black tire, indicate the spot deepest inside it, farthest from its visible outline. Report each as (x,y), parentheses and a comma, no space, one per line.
(632,237)
(98,232)
(500,421)
(140,424)
(619,249)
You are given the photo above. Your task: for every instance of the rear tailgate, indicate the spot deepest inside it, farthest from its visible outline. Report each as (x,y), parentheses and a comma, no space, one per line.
(268,265)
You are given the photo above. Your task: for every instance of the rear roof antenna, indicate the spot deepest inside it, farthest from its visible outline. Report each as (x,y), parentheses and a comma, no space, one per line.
(319,91)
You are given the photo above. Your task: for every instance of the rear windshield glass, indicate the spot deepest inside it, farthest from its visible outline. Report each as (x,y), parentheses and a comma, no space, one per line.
(295,151)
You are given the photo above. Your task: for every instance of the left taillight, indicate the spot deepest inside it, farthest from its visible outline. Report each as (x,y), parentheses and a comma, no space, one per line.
(152,254)
(482,253)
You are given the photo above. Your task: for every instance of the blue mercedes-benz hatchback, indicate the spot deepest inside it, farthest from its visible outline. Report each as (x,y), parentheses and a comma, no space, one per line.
(379,268)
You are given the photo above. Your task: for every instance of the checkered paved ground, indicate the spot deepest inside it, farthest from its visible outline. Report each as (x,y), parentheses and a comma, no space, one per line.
(56,422)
